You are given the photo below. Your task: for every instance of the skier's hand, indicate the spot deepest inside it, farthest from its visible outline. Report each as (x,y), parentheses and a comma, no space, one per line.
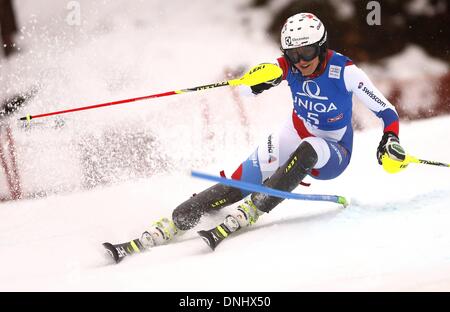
(390,145)
(257,89)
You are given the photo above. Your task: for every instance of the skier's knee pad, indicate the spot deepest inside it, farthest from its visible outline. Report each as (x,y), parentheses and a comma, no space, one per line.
(188,214)
(288,176)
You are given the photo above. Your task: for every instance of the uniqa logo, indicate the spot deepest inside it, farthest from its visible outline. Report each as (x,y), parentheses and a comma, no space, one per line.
(311,89)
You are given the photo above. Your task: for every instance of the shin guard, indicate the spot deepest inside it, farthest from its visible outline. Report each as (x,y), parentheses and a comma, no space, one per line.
(188,214)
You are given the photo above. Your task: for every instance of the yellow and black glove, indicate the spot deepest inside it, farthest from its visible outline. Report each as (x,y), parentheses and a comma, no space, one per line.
(259,88)
(390,147)
(270,70)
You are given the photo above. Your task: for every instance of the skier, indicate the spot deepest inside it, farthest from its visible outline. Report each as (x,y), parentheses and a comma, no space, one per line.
(315,141)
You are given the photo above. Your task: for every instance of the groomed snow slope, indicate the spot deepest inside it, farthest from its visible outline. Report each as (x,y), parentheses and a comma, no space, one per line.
(393,237)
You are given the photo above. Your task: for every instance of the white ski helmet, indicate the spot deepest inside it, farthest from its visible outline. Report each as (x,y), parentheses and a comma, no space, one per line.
(303,29)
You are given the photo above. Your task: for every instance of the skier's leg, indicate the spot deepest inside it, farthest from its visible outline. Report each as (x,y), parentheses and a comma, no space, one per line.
(188,214)
(285,178)
(317,157)
(320,158)
(261,164)
(335,161)
(271,153)
(288,176)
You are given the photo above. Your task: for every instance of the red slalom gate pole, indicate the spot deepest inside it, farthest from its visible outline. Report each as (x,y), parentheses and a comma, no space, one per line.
(17,189)
(265,72)
(152,96)
(11,172)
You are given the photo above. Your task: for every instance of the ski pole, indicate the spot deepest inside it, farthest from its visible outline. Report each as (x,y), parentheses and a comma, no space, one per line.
(255,76)
(270,191)
(411,159)
(394,166)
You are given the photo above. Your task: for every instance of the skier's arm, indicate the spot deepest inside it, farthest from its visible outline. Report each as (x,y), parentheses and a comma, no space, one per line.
(359,83)
(362,87)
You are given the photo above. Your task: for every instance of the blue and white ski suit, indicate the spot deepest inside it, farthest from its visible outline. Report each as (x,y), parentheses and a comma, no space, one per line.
(322,115)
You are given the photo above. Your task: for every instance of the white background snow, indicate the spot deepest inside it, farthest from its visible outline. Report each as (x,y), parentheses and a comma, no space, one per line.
(393,237)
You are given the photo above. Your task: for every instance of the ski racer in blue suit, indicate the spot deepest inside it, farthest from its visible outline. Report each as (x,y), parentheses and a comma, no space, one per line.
(315,141)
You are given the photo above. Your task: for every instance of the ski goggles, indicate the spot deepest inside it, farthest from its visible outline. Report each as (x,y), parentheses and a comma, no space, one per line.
(306,53)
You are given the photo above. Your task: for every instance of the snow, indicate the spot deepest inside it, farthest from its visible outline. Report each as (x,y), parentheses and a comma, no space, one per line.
(393,237)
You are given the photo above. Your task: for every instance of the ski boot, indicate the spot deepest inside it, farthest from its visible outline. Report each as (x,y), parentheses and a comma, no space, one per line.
(245,215)
(159,233)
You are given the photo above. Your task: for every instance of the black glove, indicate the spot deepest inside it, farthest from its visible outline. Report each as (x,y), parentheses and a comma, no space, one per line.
(390,145)
(257,89)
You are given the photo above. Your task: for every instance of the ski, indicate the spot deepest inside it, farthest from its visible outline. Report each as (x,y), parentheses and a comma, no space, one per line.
(161,232)
(211,238)
(215,236)
(119,251)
